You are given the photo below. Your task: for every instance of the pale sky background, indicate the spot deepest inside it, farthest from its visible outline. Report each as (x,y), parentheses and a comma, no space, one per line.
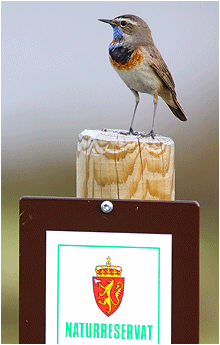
(57,81)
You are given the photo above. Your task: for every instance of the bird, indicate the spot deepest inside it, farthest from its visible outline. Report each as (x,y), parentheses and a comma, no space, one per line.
(140,65)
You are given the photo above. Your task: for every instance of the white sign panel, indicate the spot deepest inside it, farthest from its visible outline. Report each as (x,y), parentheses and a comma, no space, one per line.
(108,287)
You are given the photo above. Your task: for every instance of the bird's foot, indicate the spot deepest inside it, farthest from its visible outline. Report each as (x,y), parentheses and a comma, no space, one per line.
(140,134)
(144,135)
(151,134)
(129,132)
(125,132)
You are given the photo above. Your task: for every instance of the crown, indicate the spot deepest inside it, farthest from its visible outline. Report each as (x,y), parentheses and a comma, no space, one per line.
(108,270)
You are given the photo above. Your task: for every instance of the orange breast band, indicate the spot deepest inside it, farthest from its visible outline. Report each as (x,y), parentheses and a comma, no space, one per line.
(136,58)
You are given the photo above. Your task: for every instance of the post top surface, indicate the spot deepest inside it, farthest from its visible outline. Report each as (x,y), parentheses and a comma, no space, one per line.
(121,135)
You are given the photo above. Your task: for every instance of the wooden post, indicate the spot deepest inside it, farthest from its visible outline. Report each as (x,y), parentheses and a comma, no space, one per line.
(118,166)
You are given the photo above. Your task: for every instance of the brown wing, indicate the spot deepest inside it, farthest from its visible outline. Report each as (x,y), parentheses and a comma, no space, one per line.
(163,72)
(160,68)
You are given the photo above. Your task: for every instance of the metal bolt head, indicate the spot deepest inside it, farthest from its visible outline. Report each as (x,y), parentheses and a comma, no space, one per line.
(106,206)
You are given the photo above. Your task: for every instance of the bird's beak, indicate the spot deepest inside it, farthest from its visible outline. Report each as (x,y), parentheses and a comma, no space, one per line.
(108,21)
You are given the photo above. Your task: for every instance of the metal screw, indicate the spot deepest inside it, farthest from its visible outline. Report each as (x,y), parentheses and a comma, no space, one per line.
(106,206)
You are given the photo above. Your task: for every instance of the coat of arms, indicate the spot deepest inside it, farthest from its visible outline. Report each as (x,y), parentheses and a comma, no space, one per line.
(108,287)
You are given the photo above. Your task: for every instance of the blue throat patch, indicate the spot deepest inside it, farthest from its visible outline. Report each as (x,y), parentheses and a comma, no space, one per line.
(117,35)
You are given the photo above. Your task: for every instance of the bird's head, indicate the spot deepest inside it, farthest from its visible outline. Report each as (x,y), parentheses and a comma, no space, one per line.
(130,29)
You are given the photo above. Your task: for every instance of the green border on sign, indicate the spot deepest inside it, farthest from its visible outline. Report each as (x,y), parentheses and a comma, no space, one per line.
(79,245)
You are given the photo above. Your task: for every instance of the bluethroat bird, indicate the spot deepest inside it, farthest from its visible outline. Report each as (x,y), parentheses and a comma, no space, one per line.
(135,58)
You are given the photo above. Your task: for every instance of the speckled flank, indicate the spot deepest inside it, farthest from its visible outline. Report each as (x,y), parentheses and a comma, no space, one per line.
(136,58)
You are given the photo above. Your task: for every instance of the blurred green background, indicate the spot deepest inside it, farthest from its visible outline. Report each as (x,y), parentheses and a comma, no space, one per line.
(57,81)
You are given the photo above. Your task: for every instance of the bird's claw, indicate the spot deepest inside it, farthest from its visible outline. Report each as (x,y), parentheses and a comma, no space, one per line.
(142,134)
(151,134)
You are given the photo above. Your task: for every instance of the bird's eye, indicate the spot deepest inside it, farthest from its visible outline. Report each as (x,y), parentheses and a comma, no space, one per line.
(123,23)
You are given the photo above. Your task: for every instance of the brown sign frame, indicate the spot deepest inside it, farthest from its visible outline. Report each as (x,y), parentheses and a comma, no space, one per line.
(179,218)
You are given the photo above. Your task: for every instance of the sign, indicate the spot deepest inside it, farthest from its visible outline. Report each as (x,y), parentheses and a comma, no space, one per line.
(90,302)
(128,276)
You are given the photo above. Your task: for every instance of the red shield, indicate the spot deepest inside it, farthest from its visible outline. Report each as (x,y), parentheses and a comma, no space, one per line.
(108,292)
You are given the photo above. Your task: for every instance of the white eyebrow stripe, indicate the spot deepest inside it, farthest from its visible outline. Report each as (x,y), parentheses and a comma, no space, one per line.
(128,20)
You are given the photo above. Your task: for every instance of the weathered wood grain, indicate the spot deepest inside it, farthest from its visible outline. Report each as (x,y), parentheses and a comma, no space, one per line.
(117,166)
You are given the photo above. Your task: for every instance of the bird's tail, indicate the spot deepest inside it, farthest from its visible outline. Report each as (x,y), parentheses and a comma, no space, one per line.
(178,111)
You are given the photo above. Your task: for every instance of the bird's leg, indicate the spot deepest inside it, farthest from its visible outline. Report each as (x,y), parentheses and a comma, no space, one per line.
(137,99)
(152,134)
